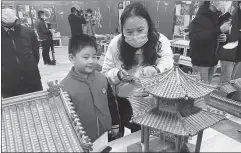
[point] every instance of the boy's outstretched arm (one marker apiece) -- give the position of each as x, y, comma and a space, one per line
113, 107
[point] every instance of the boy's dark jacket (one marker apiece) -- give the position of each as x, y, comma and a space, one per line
42, 29
92, 99
20, 62
204, 30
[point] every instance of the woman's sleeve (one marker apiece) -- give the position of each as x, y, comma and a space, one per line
109, 65
235, 30
165, 60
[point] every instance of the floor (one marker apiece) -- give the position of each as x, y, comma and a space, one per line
59, 71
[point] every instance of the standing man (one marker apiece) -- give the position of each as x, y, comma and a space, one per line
75, 22
204, 31
45, 35
20, 57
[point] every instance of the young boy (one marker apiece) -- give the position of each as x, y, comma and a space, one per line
89, 90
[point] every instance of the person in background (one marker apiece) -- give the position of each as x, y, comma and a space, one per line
89, 28
203, 33
75, 22
138, 51
20, 57
89, 90
44, 35
81, 14
229, 69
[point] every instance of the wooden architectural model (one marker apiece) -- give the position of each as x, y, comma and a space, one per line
170, 113
43, 121
221, 104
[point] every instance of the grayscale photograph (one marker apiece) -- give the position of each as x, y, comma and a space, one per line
120, 76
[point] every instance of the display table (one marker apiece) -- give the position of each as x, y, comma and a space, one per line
99, 37
213, 141
56, 40
181, 44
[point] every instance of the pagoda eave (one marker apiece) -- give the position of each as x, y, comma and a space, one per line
191, 122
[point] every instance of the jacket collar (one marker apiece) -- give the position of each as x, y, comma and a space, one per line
16, 29
73, 74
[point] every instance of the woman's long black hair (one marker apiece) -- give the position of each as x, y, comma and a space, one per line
127, 52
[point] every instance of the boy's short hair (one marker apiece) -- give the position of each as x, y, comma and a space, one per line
79, 42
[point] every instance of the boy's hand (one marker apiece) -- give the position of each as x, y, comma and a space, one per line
115, 130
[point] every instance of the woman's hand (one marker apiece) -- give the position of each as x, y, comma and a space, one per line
125, 76
222, 38
225, 27
149, 71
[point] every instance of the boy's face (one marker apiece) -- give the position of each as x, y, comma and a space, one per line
85, 60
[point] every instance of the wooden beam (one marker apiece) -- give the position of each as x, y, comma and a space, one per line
146, 139
142, 134
199, 141
178, 144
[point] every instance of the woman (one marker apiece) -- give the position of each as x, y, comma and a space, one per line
203, 34
230, 68
138, 50
89, 28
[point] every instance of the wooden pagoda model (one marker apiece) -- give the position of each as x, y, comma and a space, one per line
43, 121
169, 112
223, 105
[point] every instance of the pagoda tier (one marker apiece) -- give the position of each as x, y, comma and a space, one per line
42, 122
185, 123
175, 84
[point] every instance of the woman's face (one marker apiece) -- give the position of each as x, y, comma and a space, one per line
135, 26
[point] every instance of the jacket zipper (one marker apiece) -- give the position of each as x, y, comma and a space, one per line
14, 46
97, 119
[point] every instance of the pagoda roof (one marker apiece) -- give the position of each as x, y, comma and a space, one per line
219, 98
232, 86
221, 104
175, 84
236, 83
185, 123
41, 122
142, 105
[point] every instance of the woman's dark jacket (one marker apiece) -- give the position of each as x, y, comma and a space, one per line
204, 30
236, 33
